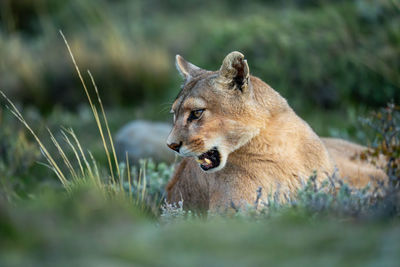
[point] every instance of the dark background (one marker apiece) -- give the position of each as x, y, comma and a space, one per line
328, 55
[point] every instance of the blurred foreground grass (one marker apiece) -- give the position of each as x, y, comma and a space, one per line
56, 229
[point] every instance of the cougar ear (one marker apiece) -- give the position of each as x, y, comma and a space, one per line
235, 71
186, 69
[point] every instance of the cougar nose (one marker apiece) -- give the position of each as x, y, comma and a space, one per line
175, 146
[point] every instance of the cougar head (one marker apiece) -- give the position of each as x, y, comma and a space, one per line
215, 112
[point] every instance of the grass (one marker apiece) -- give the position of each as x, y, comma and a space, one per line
84, 170
83, 228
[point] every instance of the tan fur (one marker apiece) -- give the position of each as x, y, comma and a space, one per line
263, 143
354, 171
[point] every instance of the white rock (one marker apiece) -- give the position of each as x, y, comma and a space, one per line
144, 139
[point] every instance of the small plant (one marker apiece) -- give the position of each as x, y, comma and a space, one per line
386, 125
146, 183
171, 212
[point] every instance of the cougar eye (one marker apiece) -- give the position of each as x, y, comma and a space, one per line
195, 114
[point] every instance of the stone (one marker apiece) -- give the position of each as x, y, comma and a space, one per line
144, 139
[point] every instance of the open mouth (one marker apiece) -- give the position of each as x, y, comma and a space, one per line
209, 160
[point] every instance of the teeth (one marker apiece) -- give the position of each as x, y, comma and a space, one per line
204, 161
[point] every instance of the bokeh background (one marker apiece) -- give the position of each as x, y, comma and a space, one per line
334, 61
319, 54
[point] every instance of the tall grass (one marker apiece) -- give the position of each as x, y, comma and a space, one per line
82, 167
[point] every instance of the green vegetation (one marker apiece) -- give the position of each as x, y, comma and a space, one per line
67, 202
84, 230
